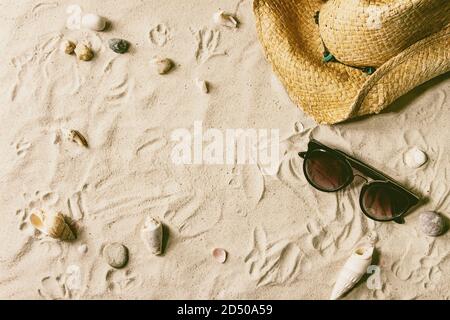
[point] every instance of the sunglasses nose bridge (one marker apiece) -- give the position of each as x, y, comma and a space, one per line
362, 177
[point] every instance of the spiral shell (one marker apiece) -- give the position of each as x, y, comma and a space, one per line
53, 225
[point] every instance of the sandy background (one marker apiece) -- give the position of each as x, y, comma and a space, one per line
285, 239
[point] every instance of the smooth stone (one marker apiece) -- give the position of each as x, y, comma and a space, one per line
432, 224
116, 255
119, 45
415, 158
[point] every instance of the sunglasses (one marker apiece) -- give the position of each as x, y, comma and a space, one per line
330, 170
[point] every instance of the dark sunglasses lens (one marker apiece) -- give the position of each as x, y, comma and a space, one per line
383, 202
326, 171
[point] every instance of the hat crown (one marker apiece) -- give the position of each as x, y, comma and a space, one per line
370, 32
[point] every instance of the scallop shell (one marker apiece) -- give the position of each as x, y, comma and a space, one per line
353, 270
202, 85
432, 224
93, 21
225, 19
161, 65
68, 47
75, 136
152, 235
53, 225
415, 158
84, 53
220, 255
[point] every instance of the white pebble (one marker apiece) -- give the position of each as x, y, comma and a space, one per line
82, 249
93, 22
415, 158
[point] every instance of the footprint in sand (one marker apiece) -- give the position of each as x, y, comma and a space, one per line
159, 35
119, 280
275, 262
35, 201
207, 43
66, 285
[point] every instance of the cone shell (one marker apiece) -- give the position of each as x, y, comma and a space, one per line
53, 225
353, 270
152, 235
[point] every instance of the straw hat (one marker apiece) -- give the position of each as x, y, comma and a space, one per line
345, 58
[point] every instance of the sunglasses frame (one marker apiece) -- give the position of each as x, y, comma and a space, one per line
376, 176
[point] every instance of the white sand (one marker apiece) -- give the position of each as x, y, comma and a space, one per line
285, 239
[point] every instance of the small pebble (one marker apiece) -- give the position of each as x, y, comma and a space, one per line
93, 21
84, 53
415, 158
202, 85
432, 224
82, 249
116, 255
119, 45
68, 47
161, 65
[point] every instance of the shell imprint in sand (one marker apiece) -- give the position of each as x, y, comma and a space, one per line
432, 224
53, 225
152, 235
161, 65
202, 85
119, 45
75, 136
415, 158
116, 255
84, 53
353, 270
220, 255
68, 47
225, 19
93, 22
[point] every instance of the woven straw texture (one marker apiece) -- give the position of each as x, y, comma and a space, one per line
406, 56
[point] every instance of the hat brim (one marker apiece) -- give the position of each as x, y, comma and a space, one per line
333, 92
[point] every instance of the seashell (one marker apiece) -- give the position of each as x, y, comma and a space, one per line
353, 270
116, 255
415, 158
152, 235
118, 45
68, 47
75, 136
161, 65
220, 255
202, 85
53, 225
225, 19
83, 52
432, 223
93, 21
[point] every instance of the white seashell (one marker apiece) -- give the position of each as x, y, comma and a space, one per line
84, 52
161, 65
202, 85
53, 225
415, 158
68, 47
74, 136
225, 19
152, 235
220, 255
353, 270
93, 21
